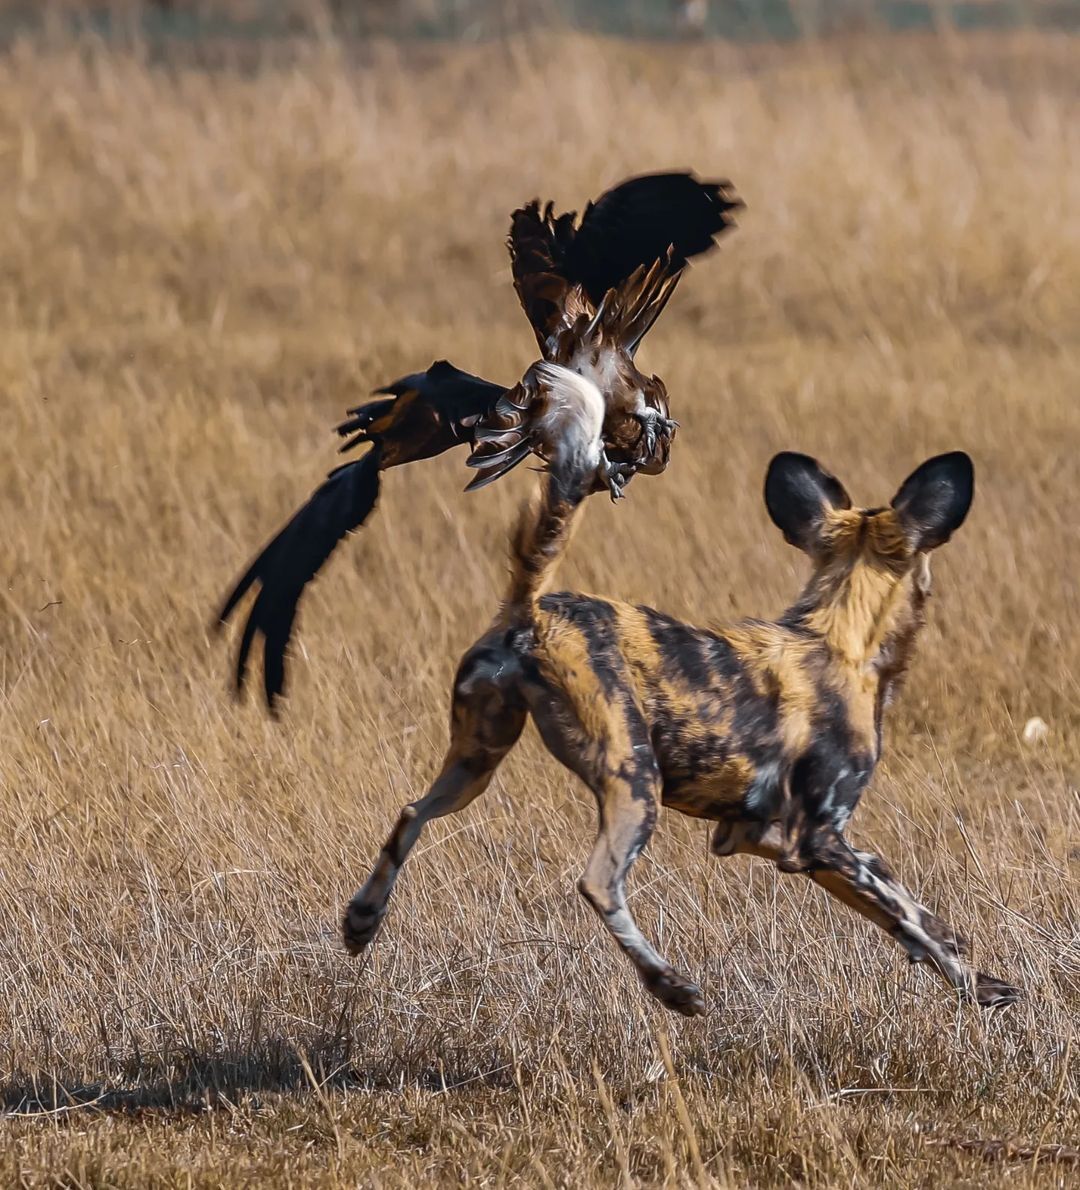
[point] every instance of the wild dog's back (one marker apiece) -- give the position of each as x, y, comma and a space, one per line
729, 711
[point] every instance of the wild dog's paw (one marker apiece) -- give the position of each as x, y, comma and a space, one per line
360, 924
995, 993
676, 992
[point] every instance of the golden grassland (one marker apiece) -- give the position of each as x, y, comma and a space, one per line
201, 271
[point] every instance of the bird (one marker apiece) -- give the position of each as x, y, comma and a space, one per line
591, 289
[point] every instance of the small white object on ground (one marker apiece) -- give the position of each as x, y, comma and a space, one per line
1035, 730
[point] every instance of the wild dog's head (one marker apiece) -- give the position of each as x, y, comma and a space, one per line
871, 565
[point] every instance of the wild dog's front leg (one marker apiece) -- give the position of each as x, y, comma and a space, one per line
862, 881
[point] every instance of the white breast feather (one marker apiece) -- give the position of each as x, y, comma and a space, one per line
571, 424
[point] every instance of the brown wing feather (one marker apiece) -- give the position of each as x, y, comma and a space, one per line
562, 271
505, 436
551, 301
630, 308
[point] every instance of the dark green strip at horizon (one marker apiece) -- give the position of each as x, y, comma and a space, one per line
737, 20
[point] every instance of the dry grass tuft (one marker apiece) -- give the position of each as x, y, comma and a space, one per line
201, 271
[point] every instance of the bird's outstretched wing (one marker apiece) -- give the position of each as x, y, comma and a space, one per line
419, 416
562, 270
293, 558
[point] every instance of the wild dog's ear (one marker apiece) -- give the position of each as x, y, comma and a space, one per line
799, 494
934, 499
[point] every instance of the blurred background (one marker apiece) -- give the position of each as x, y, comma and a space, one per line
223, 224
204, 20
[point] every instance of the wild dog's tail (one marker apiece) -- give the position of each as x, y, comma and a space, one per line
569, 430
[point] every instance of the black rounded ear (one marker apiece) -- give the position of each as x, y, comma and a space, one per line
934, 499
798, 494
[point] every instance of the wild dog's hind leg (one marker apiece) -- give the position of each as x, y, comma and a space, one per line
487, 720
862, 881
586, 711
628, 806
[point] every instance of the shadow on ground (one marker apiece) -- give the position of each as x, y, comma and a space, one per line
190, 1084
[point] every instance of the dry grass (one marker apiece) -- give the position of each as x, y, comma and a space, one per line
200, 272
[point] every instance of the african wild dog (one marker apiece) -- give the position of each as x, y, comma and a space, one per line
770, 729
